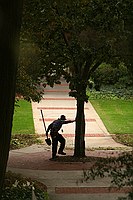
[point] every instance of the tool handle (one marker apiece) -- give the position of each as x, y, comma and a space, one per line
43, 120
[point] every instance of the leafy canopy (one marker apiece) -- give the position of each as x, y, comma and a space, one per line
75, 37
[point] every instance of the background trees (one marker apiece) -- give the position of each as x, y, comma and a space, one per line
28, 80
108, 75
75, 38
10, 21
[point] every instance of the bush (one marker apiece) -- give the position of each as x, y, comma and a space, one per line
109, 75
18, 187
111, 92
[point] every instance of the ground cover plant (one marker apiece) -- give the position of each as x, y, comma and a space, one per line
17, 187
111, 92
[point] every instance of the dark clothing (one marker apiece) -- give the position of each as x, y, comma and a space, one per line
54, 127
55, 140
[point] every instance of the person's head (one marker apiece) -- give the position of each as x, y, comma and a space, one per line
63, 117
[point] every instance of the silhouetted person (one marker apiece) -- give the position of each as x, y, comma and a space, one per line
54, 127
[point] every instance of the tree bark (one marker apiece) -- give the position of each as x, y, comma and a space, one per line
79, 150
10, 22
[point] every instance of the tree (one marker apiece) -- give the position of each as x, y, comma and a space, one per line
28, 83
129, 47
10, 21
75, 38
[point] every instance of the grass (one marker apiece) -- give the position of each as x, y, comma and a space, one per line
23, 119
116, 114
23, 133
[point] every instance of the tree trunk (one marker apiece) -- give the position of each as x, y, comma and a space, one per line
10, 21
79, 150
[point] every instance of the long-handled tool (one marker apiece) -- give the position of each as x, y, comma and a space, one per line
48, 141
43, 121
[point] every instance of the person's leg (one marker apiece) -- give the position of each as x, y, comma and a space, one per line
54, 146
62, 141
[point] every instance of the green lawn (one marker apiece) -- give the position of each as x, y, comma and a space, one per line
23, 119
117, 115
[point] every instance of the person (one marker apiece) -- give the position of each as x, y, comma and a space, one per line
54, 128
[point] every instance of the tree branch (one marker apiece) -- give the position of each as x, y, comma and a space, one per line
62, 32
98, 63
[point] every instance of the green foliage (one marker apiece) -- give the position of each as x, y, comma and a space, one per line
120, 170
72, 38
28, 83
112, 75
111, 92
18, 187
75, 37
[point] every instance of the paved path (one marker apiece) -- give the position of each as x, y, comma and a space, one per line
57, 101
65, 180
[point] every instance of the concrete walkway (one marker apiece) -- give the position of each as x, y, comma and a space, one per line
57, 101
66, 180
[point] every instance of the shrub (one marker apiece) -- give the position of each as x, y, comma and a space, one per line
18, 187
111, 92
109, 75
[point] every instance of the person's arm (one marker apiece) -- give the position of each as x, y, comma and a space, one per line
48, 129
68, 121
